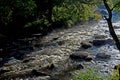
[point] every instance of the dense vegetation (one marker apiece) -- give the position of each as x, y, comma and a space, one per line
30, 16
92, 73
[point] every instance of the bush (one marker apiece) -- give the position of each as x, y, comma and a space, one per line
88, 74
93, 74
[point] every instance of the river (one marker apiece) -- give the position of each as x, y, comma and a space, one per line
56, 47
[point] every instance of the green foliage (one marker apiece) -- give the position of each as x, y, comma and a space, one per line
116, 3
88, 74
114, 76
14, 8
73, 12
25, 8
92, 73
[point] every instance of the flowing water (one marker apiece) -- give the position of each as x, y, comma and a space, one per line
56, 47
106, 65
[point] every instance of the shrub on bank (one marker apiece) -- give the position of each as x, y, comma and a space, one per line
93, 74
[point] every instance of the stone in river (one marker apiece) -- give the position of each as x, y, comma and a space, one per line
86, 44
99, 42
103, 56
80, 55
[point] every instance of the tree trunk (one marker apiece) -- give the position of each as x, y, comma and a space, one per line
109, 21
113, 34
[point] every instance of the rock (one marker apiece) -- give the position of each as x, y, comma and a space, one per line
38, 73
103, 56
99, 42
5, 69
61, 42
79, 66
40, 78
55, 38
79, 55
100, 37
89, 58
28, 59
86, 44
52, 66
11, 61
37, 35
110, 41
15, 74
22, 74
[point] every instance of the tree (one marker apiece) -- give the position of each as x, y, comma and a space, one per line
73, 11
109, 20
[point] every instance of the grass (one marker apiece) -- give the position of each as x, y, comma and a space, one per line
93, 74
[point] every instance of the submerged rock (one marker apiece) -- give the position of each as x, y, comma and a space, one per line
110, 41
82, 55
86, 44
99, 42
100, 36
103, 56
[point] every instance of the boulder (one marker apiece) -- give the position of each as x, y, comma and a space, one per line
103, 56
81, 55
86, 44
99, 42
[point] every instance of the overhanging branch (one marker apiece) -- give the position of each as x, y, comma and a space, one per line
115, 6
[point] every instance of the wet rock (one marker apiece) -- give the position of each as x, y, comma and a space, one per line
99, 42
22, 74
37, 35
55, 38
89, 58
116, 27
5, 69
51, 67
100, 37
103, 56
28, 59
11, 61
80, 66
61, 42
40, 78
15, 74
82, 55
86, 44
110, 41
38, 73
